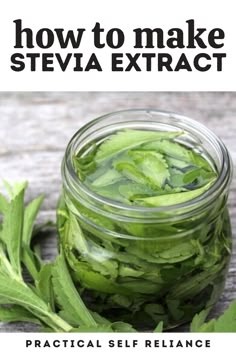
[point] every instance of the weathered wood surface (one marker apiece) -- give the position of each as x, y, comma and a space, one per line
36, 127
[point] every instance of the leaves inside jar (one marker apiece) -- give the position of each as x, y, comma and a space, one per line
146, 168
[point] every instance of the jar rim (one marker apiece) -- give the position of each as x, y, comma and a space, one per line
206, 198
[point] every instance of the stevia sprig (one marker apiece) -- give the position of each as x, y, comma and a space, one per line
50, 299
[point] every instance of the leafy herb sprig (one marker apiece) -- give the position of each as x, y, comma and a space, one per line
50, 298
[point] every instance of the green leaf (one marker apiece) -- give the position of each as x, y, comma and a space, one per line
25, 302
18, 293
156, 312
109, 177
131, 172
172, 199
195, 283
184, 179
227, 322
13, 226
153, 166
15, 188
140, 286
175, 163
96, 281
44, 285
191, 176
31, 262
179, 152
198, 320
159, 328
174, 308
3, 204
128, 139
30, 214
15, 314
207, 327
67, 295
132, 191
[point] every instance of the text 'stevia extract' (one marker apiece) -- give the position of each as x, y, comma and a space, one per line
149, 49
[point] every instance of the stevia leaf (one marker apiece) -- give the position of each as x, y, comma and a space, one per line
13, 226
176, 178
156, 258
153, 166
175, 311
180, 152
126, 271
170, 148
98, 257
31, 262
109, 177
121, 300
227, 322
111, 192
198, 320
140, 286
76, 237
18, 293
15, 314
15, 188
200, 161
172, 199
207, 327
85, 168
97, 219
85, 164
3, 204
69, 318
67, 295
30, 214
156, 312
183, 249
128, 139
206, 177
195, 283
131, 172
107, 267
101, 260
132, 191
159, 328
101, 321
175, 163
191, 176
96, 281
99, 233
44, 285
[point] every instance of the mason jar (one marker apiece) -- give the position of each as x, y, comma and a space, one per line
140, 264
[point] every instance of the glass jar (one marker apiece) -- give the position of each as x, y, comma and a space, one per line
143, 265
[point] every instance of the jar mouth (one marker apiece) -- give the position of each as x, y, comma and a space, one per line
148, 118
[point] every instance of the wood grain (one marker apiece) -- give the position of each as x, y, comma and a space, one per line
36, 127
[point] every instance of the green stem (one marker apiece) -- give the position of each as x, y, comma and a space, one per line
58, 324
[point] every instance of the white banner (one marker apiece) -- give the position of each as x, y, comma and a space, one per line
123, 46
108, 343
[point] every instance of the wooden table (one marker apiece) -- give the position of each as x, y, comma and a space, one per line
36, 127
